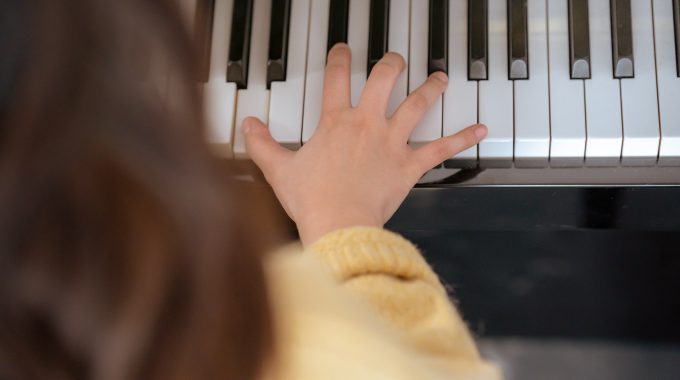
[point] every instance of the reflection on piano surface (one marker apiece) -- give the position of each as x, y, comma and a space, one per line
559, 83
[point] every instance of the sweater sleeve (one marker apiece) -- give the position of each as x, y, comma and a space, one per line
389, 273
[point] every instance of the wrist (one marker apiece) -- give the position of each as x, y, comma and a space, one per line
313, 227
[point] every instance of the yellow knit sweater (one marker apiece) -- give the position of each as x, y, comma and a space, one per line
362, 303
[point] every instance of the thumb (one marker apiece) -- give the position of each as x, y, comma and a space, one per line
261, 146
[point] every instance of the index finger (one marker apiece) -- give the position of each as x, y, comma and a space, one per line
336, 84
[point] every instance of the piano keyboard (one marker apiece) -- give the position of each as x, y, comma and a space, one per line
560, 83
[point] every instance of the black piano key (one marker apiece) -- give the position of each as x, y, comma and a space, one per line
378, 31
337, 22
579, 39
438, 37
518, 40
203, 26
278, 41
676, 18
478, 65
622, 39
239, 48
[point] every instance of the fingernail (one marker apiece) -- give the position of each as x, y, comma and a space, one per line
247, 126
340, 45
481, 131
441, 76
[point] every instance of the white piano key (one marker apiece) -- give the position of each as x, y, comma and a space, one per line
357, 39
460, 99
430, 127
567, 102
668, 82
285, 107
219, 96
638, 95
603, 99
316, 62
254, 100
532, 108
398, 42
495, 94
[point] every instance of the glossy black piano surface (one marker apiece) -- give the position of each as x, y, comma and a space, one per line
558, 282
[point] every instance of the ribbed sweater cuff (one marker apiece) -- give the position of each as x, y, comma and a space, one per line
355, 251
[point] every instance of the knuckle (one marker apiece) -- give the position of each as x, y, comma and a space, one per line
470, 138
418, 102
384, 69
336, 68
329, 119
466, 138
440, 152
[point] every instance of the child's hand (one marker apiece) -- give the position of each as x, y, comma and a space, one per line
357, 168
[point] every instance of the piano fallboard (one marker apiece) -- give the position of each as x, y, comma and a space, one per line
617, 176
442, 209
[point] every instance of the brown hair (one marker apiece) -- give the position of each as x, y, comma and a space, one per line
125, 252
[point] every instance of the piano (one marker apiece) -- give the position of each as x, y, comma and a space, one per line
566, 83
582, 102
576, 94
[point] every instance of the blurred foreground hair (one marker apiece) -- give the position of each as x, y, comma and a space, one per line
124, 251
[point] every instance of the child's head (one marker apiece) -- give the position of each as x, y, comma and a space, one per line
124, 253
